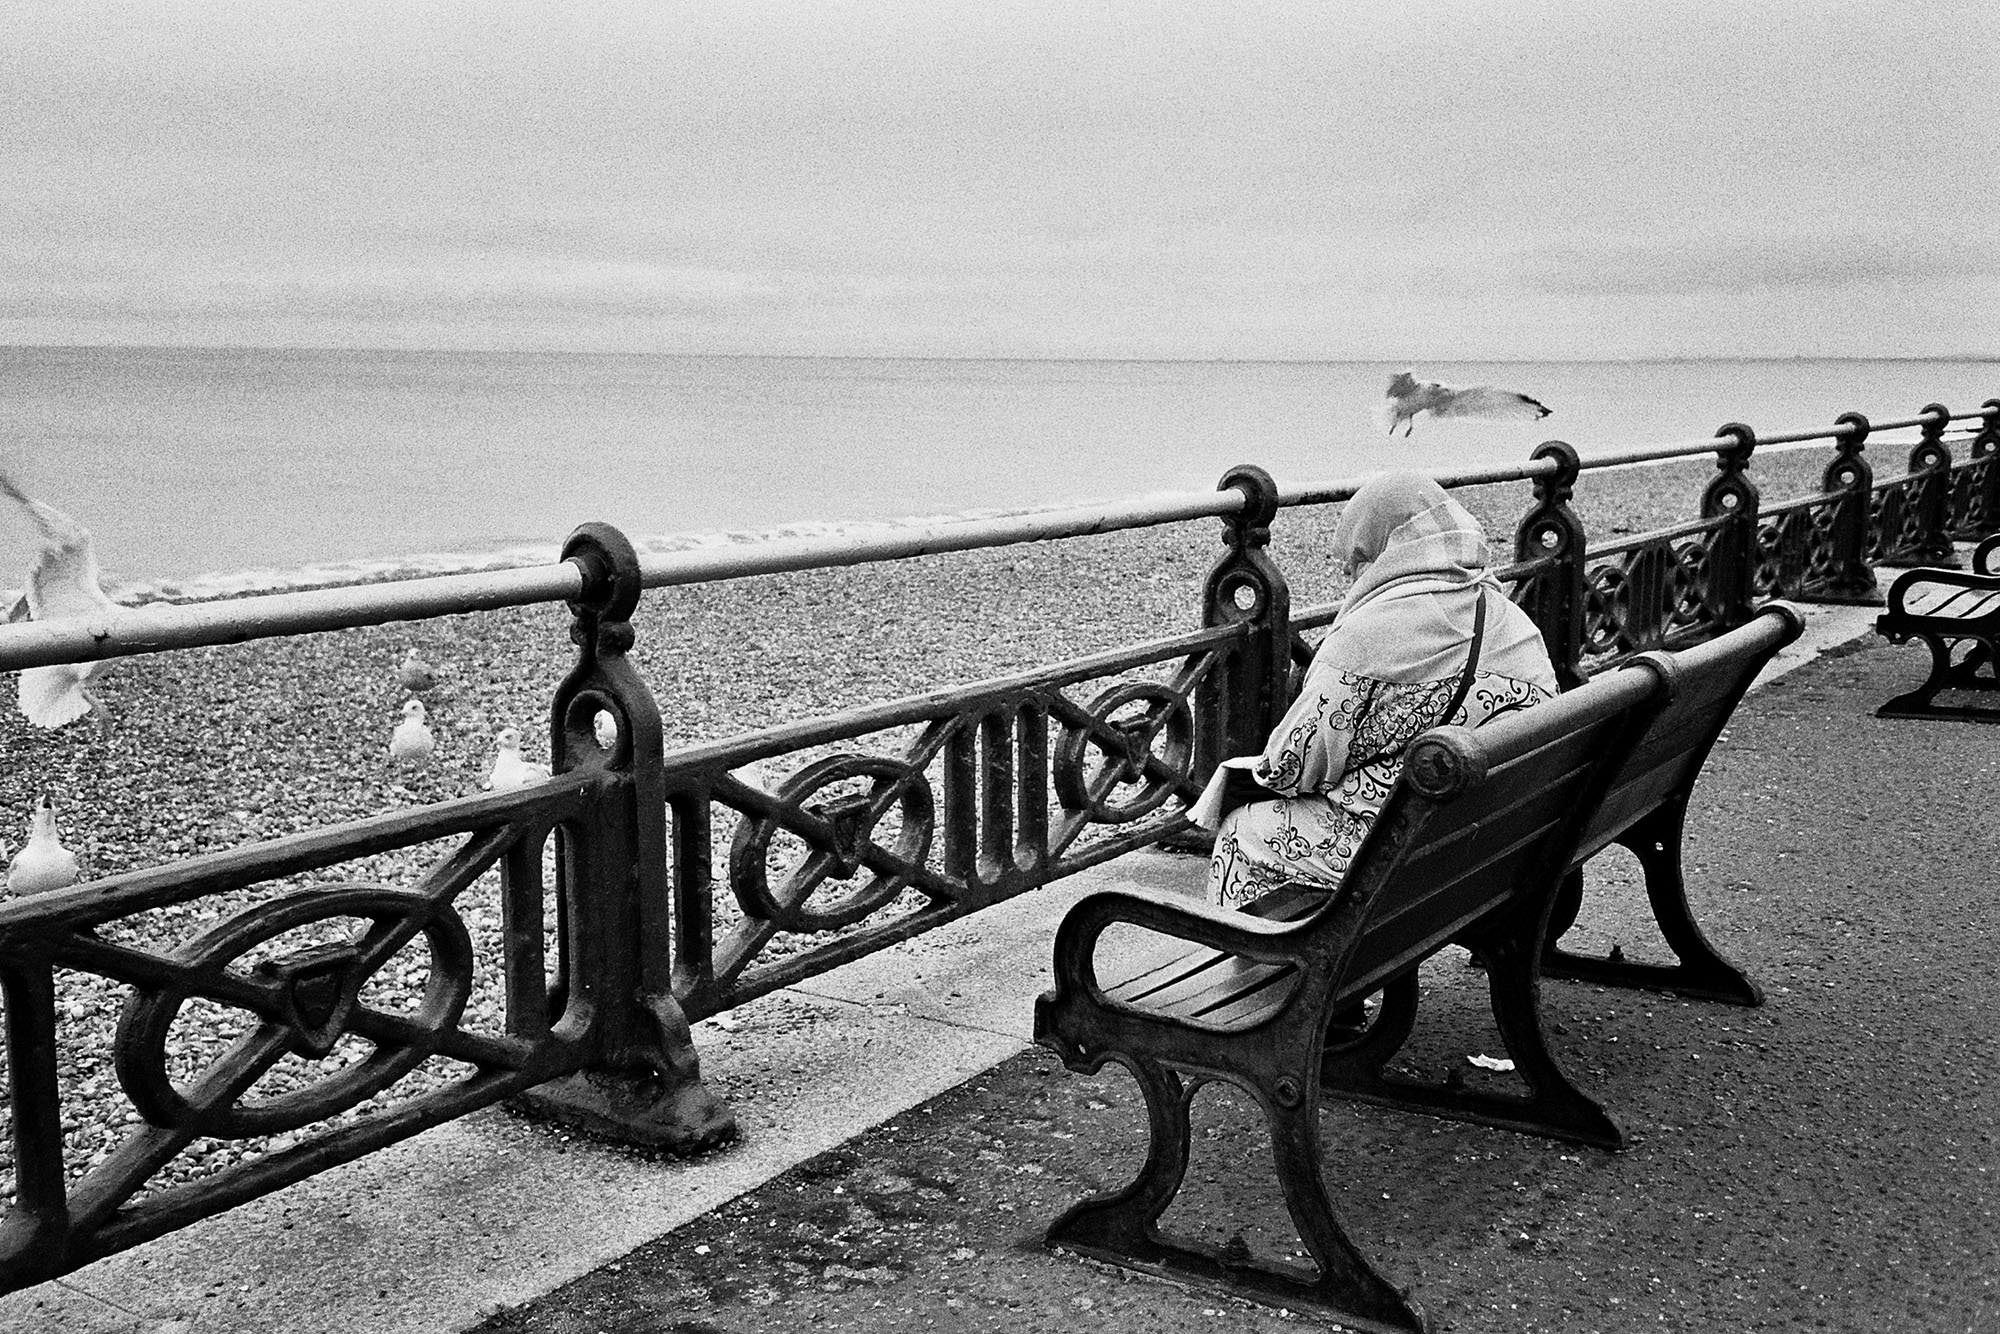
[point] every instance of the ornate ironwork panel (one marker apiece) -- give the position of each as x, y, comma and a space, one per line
902, 816
263, 1040
1652, 592
1795, 547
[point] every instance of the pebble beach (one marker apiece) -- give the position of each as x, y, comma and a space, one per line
215, 748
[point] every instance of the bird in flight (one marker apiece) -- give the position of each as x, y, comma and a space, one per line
63, 583
1408, 396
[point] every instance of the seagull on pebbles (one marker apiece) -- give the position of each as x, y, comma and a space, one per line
509, 769
415, 675
1408, 396
412, 743
63, 584
43, 863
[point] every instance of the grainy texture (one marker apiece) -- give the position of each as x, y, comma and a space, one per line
210, 749
1822, 1163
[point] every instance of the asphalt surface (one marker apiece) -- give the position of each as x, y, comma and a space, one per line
1825, 1162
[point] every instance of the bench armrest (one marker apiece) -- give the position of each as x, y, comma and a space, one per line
1223, 929
1986, 556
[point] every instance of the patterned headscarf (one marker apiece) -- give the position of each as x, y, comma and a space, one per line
1401, 526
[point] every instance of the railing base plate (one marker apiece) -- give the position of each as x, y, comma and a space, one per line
635, 1109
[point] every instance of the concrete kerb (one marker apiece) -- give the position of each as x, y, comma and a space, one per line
440, 1231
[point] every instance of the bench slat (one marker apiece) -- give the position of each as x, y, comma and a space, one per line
1948, 602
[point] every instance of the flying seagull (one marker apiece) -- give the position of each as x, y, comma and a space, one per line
1408, 396
62, 583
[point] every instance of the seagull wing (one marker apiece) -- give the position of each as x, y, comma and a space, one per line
1485, 401
64, 580
54, 696
62, 583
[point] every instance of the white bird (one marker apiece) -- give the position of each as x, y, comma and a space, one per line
509, 769
415, 675
1408, 396
605, 728
63, 583
412, 743
43, 863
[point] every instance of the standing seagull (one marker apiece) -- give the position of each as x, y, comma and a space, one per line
63, 583
411, 743
1408, 396
43, 863
509, 768
415, 675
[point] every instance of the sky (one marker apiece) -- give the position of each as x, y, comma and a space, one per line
1455, 180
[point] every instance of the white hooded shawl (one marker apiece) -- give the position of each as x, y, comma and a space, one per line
1386, 672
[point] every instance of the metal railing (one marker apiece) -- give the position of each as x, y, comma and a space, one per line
638, 890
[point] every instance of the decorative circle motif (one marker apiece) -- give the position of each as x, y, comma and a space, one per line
842, 799
1687, 584
1605, 598
1131, 727
310, 998
1240, 594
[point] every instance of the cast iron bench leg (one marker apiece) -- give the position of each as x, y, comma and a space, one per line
1123, 1227
1947, 675
1351, 1064
1967, 676
1702, 973
1124, 1223
1553, 1105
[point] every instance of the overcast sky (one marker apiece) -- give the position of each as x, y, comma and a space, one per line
1209, 179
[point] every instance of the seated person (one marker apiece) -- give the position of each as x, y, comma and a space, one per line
1400, 658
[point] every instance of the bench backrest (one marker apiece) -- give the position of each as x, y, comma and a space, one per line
1706, 682
1478, 819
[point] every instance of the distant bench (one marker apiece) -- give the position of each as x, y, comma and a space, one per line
1479, 845
1947, 609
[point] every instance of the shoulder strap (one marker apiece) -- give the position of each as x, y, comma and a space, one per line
1471, 660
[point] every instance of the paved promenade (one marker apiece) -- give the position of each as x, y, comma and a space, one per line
1824, 1162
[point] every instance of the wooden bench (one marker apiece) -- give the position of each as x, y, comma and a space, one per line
1480, 835
1645, 811
1948, 609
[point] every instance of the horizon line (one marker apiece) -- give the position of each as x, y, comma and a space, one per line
1009, 357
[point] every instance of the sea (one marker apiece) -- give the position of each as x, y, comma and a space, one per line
213, 470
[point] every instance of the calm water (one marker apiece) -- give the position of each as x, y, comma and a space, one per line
191, 461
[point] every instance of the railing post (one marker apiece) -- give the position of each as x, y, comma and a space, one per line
1554, 599
1846, 575
1982, 511
1930, 460
641, 1082
1247, 588
1733, 556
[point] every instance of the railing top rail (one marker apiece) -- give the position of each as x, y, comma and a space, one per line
710, 564
1343, 488
158, 627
